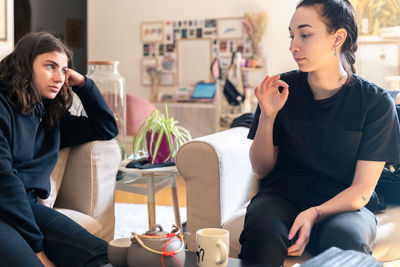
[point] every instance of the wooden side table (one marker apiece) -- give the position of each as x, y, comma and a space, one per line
155, 180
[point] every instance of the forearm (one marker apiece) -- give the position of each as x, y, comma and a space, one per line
350, 199
262, 150
356, 196
95, 105
99, 125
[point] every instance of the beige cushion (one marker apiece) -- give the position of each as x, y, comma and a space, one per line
86, 221
56, 178
386, 246
387, 241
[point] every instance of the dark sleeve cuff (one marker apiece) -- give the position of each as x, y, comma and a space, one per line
87, 84
36, 245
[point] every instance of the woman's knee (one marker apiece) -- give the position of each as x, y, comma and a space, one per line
264, 241
346, 232
14, 250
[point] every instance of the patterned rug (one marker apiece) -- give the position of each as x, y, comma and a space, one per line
133, 218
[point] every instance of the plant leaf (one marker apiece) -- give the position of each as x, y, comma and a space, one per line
157, 146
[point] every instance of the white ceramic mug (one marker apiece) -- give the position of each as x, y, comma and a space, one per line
212, 247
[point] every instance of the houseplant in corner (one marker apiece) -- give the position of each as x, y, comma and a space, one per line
160, 136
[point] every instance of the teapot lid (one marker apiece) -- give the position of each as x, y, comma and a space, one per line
161, 233
153, 230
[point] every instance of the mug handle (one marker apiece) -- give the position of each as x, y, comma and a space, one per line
222, 248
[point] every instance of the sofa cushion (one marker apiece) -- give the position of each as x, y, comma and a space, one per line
385, 247
56, 178
86, 221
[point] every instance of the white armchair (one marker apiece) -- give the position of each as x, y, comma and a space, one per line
219, 183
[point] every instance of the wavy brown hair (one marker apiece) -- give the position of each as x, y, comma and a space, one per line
16, 70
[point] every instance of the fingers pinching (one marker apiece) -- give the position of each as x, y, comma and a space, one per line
272, 80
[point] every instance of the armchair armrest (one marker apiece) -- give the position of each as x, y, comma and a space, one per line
218, 176
89, 182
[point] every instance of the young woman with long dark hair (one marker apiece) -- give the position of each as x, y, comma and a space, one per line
36, 87
321, 135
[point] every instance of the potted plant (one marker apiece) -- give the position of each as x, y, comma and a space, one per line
160, 136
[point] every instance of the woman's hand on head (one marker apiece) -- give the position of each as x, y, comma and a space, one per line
302, 227
45, 261
73, 78
270, 99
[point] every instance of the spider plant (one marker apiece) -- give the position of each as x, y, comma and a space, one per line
158, 125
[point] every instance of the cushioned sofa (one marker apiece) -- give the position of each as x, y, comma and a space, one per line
83, 183
220, 182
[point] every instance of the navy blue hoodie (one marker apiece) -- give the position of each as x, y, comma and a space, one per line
29, 150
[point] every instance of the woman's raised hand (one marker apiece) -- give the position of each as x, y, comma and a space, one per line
269, 97
73, 78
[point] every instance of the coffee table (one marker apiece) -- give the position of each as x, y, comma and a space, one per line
191, 260
155, 180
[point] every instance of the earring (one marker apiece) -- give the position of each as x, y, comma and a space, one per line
335, 52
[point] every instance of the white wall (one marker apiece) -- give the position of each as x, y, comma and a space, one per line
6, 47
114, 34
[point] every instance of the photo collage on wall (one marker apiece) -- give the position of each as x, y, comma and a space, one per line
159, 43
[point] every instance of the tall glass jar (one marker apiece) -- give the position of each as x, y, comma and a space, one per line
111, 84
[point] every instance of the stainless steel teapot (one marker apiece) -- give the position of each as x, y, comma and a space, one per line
153, 249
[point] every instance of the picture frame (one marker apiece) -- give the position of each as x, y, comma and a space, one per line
373, 21
3, 20
74, 32
230, 28
152, 31
167, 79
146, 62
168, 62
223, 47
189, 51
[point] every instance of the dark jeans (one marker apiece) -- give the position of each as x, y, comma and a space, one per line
269, 218
65, 242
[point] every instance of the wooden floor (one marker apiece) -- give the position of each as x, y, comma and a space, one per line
162, 198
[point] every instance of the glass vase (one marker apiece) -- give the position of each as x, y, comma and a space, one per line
111, 84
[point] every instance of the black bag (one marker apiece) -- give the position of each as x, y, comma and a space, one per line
232, 95
388, 187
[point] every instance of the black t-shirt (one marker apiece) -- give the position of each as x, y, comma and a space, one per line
320, 141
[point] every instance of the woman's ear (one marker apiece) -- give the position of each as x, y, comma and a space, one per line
341, 35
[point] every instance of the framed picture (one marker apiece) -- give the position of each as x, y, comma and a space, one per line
168, 62
193, 61
3, 20
223, 47
167, 79
152, 31
372, 16
210, 23
230, 28
75, 32
146, 63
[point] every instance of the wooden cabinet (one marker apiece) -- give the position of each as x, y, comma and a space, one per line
378, 59
199, 118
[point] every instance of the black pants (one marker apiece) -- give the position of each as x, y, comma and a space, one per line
269, 218
65, 243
